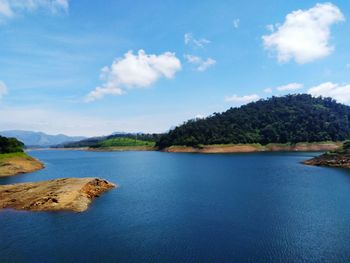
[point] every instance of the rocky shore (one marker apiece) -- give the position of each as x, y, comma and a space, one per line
72, 194
332, 159
19, 163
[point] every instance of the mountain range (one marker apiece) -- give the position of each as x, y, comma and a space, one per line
39, 139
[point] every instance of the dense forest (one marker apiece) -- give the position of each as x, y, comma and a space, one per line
288, 119
10, 145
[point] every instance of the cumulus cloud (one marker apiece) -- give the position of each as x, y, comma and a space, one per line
200, 63
304, 36
3, 89
290, 87
5, 9
339, 92
236, 23
189, 39
11, 8
134, 71
287, 87
240, 100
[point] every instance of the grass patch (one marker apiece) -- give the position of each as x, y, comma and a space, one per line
124, 142
12, 155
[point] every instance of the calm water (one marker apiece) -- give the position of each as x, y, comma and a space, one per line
187, 208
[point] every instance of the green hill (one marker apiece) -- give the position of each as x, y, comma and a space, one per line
115, 140
10, 145
288, 119
123, 142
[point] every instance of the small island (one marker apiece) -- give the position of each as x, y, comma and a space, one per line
71, 194
337, 158
13, 160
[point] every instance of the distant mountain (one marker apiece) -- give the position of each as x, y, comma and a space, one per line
288, 119
40, 139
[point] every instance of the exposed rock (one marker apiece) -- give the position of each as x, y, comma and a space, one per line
19, 165
331, 159
73, 194
246, 148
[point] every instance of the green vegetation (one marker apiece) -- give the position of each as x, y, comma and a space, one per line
123, 142
346, 146
289, 119
97, 142
10, 145
345, 149
11, 155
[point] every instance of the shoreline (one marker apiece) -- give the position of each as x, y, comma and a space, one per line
212, 149
66, 194
333, 159
18, 163
123, 149
250, 148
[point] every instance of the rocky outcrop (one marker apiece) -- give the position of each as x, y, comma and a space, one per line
74, 194
332, 159
19, 165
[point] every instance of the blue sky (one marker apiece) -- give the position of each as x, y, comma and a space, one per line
65, 66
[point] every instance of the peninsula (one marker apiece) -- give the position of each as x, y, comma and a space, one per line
72, 194
13, 160
337, 158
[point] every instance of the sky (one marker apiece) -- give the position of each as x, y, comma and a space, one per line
95, 67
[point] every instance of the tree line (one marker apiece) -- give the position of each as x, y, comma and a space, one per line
287, 119
10, 145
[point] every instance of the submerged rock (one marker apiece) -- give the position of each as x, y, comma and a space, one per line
74, 194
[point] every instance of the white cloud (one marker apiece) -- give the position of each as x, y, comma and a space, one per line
11, 8
200, 63
339, 92
3, 89
287, 87
190, 39
290, 87
304, 36
5, 9
135, 71
240, 100
236, 23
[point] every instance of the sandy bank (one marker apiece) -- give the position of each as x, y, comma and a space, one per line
74, 194
18, 164
246, 148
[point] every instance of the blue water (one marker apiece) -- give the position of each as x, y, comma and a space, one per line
265, 207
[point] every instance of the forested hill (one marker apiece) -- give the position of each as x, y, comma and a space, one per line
292, 118
10, 145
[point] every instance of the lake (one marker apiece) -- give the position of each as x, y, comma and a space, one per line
257, 207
